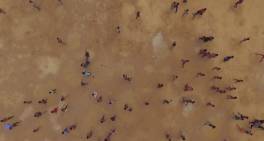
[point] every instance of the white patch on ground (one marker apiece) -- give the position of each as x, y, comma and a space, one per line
161, 49
48, 65
187, 109
27, 112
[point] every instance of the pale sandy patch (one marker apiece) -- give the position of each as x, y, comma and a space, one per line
161, 49
13, 99
74, 41
149, 68
48, 65
187, 109
26, 113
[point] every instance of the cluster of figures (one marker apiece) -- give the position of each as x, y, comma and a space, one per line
256, 123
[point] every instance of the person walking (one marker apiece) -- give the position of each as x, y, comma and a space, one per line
94, 94
55, 110
65, 131
87, 54
187, 100
176, 6
210, 124
2, 11
228, 58
64, 97
184, 62
111, 101
27, 102
112, 132
34, 5
231, 88
73, 126
6, 119
240, 129
165, 101
174, 77
206, 39
137, 14
202, 51
237, 80
195, 14
200, 74
221, 91
38, 114
245, 39
217, 77
130, 109
173, 44
185, 12
86, 73
260, 55
202, 11
89, 135
236, 117
213, 55
210, 104
125, 77
113, 118
239, 2
100, 99
181, 136
126, 106
187, 88
146, 103
118, 29
64, 109
243, 116
168, 137
160, 85
206, 54
248, 132
60, 2
85, 64
231, 97
60, 41
215, 88
44, 101
216, 68
37, 129
14, 125
173, 5
102, 119
52, 91
83, 84
108, 137
129, 79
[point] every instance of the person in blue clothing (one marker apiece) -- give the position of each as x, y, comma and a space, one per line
65, 131
228, 58
85, 64
34, 5
86, 73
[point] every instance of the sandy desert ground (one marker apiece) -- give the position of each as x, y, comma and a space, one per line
33, 62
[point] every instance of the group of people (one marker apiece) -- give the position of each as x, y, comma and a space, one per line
256, 123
